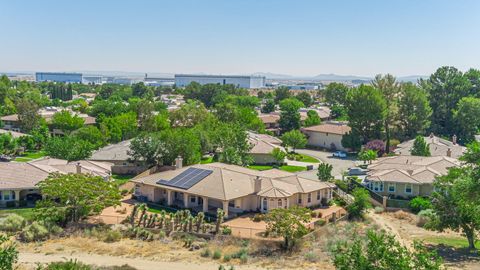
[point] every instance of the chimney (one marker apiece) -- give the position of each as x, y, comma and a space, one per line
78, 168
449, 152
178, 163
454, 139
257, 184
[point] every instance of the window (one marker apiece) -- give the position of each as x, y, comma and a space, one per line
309, 198
299, 199
408, 188
193, 199
318, 195
137, 189
13, 195
6, 196
391, 187
377, 186
280, 203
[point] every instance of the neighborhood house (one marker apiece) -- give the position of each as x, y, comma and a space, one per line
437, 146
262, 147
327, 136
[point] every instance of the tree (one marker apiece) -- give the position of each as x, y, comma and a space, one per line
149, 119
413, 111
366, 109
232, 139
325, 172
467, 119
189, 114
336, 93
289, 223
389, 88
79, 195
269, 106
360, 204
376, 145
90, 134
282, 93
28, 114
69, 148
243, 116
312, 119
352, 141
381, 251
289, 115
8, 253
420, 147
67, 122
445, 88
338, 112
8, 144
367, 155
120, 127
294, 139
305, 98
139, 89
278, 154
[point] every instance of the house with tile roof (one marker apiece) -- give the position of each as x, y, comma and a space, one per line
262, 147
118, 155
438, 147
407, 176
235, 189
326, 135
18, 179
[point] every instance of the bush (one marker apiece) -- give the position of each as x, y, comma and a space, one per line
311, 257
34, 232
227, 258
418, 204
379, 210
226, 230
111, 236
258, 217
424, 216
243, 258
68, 265
320, 222
124, 192
217, 254
341, 185
206, 253
12, 223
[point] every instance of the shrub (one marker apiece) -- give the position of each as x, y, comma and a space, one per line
111, 236
227, 258
12, 223
243, 258
124, 192
341, 185
313, 214
206, 253
217, 254
258, 217
311, 257
379, 210
424, 216
418, 204
320, 222
226, 230
34, 232
401, 215
70, 265
376, 145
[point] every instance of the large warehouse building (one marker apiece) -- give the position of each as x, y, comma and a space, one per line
182, 80
58, 77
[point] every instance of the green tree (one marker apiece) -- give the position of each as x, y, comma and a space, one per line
189, 114
8, 144
336, 94
232, 139
90, 134
139, 89
381, 251
366, 110
8, 253
294, 139
367, 155
467, 119
289, 115
66, 122
389, 88
69, 148
244, 116
282, 93
352, 141
269, 106
305, 98
289, 223
278, 154
312, 119
413, 111
78, 195
360, 204
120, 127
420, 147
325, 172
28, 114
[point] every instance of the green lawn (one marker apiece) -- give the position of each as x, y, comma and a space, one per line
157, 209
287, 168
207, 160
27, 213
29, 156
305, 158
455, 242
121, 179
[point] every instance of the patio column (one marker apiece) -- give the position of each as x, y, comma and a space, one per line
225, 208
205, 204
17, 195
169, 197
185, 200
287, 202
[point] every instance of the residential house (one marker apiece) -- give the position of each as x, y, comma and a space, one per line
235, 189
18, 179
326, 135
262, 147
438, 147
13, 133
407, 176
118, 155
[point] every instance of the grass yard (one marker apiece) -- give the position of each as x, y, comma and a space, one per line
305, 158
121, 179
27, 213
29, 156
287, 168
455, 242
206, 160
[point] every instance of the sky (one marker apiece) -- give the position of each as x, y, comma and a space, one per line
296, 37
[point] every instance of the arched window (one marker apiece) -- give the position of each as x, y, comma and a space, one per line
280, 203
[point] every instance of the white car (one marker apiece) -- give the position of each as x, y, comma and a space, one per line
340, 154
357, 171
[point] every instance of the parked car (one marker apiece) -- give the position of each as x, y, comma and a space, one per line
340, 154
357, 171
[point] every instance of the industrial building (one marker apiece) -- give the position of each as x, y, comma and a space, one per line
182, 80
58, 77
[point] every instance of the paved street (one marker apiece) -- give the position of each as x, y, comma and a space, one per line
339, 165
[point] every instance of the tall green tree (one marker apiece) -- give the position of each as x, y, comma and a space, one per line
366, 110
305, 98
232, 140
324, 172
360, 204
269, 106
189, 114
294, 139
289, 223
389, 88
352, 141
420, 147
289, 114
69, 148
28, 114
312, 119
66, 121
467, 119
336, 94
413, 111
282, 93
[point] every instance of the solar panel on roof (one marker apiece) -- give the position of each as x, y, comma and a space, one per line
187, 178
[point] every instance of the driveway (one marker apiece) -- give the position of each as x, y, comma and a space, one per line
339, 165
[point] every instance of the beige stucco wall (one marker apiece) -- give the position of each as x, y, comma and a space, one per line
417, 190
324, 140
263, 159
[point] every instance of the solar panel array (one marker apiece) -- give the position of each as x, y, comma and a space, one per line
187, 178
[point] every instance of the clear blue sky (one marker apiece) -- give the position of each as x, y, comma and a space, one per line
297, 37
